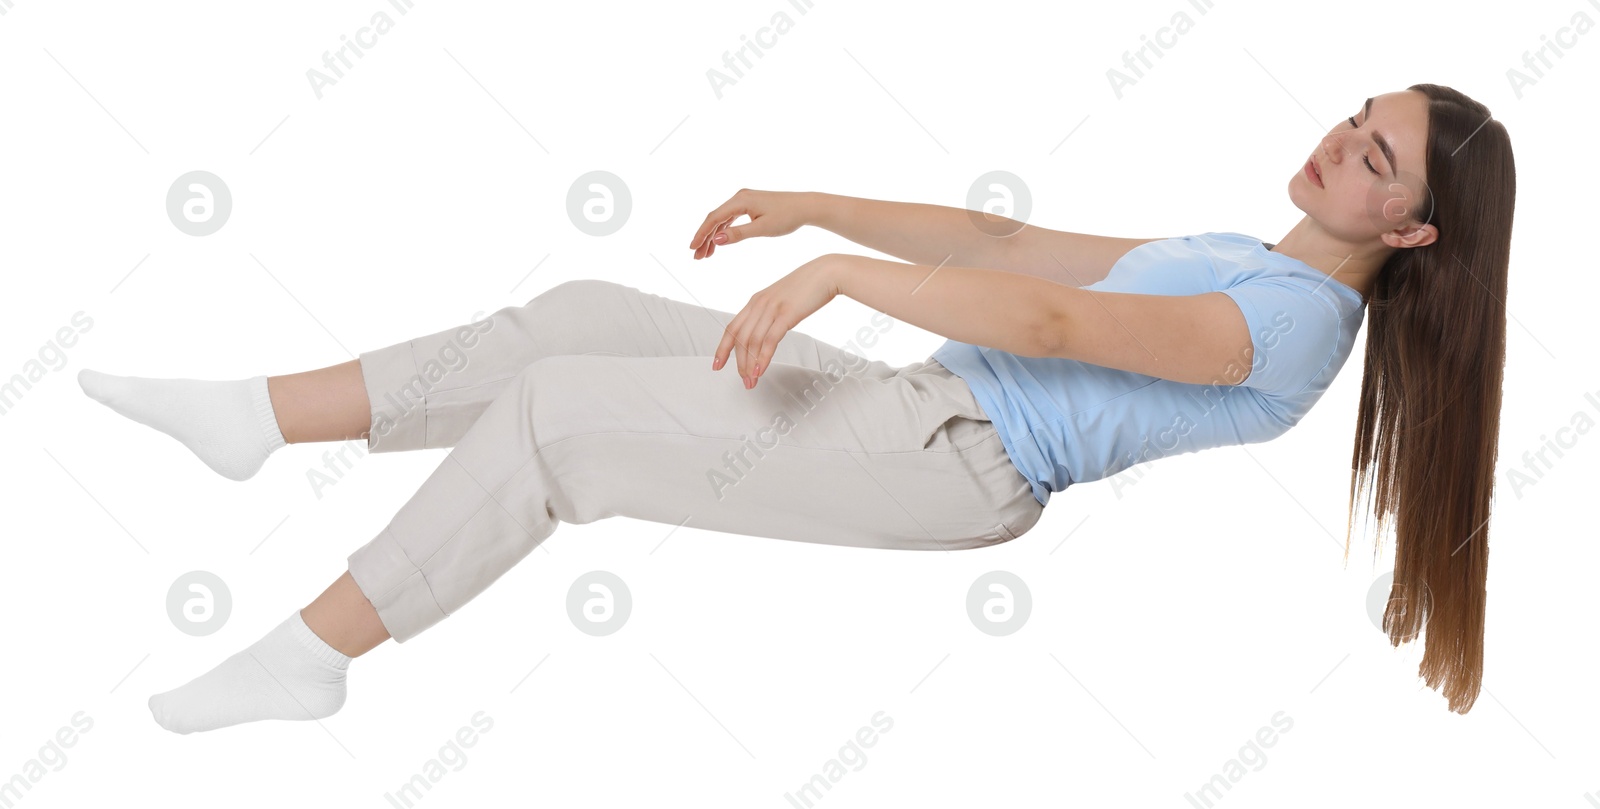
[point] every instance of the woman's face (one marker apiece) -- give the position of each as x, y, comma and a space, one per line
1372, 169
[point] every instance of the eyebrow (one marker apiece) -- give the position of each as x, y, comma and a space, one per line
1383, 143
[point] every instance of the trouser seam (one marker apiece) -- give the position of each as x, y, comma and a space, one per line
417, 571
422, 406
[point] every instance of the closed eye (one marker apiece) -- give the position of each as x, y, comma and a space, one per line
1352, 120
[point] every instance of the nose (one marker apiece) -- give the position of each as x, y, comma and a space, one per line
1333, 146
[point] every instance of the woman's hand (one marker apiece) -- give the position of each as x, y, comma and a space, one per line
772, 213
771, 313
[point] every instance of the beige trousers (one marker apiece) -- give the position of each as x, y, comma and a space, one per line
597, 400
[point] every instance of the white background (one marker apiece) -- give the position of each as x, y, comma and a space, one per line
1171, 618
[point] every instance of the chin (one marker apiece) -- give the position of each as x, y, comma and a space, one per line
1294, 194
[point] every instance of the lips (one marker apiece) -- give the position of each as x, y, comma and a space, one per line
1313, 172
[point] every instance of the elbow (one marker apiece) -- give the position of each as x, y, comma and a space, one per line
1047, 337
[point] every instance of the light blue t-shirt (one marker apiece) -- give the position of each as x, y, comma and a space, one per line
1063, 421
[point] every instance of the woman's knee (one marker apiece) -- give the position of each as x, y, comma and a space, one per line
578, 292
582, 316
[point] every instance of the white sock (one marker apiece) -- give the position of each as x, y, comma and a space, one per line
230, 424
288, 674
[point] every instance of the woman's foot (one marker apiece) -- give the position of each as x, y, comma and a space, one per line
230, 425
288, 674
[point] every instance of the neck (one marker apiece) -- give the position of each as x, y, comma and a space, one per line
1354, 264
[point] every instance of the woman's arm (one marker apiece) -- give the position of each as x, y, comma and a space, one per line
1002, 310
910, 231
933, 234
1074, 259
1200, 339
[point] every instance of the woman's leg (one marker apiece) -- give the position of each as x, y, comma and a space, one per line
345, 619
475, 364
433, 390
328, 404
905, 461
428, 391
233, 425
588, 317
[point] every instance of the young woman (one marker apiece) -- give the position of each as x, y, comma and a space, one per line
1070, 357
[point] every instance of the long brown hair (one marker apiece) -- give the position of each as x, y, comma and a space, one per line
1428, 429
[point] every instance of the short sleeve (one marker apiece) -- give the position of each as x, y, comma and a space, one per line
1293, 331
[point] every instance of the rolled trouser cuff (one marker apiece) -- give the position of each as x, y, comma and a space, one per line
397, 589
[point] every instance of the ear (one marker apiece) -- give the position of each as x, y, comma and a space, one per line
1411, 236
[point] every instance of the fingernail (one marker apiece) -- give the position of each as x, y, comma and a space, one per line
720, 238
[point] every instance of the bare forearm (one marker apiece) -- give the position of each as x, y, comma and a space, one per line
911, 231
992, 308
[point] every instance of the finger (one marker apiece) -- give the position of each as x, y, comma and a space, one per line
746, 336
724, 232
734, 235
770, 339
734, 342
709, 245
705, 226
720, 358
759, 334
741, 351
703, 245
726, 212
